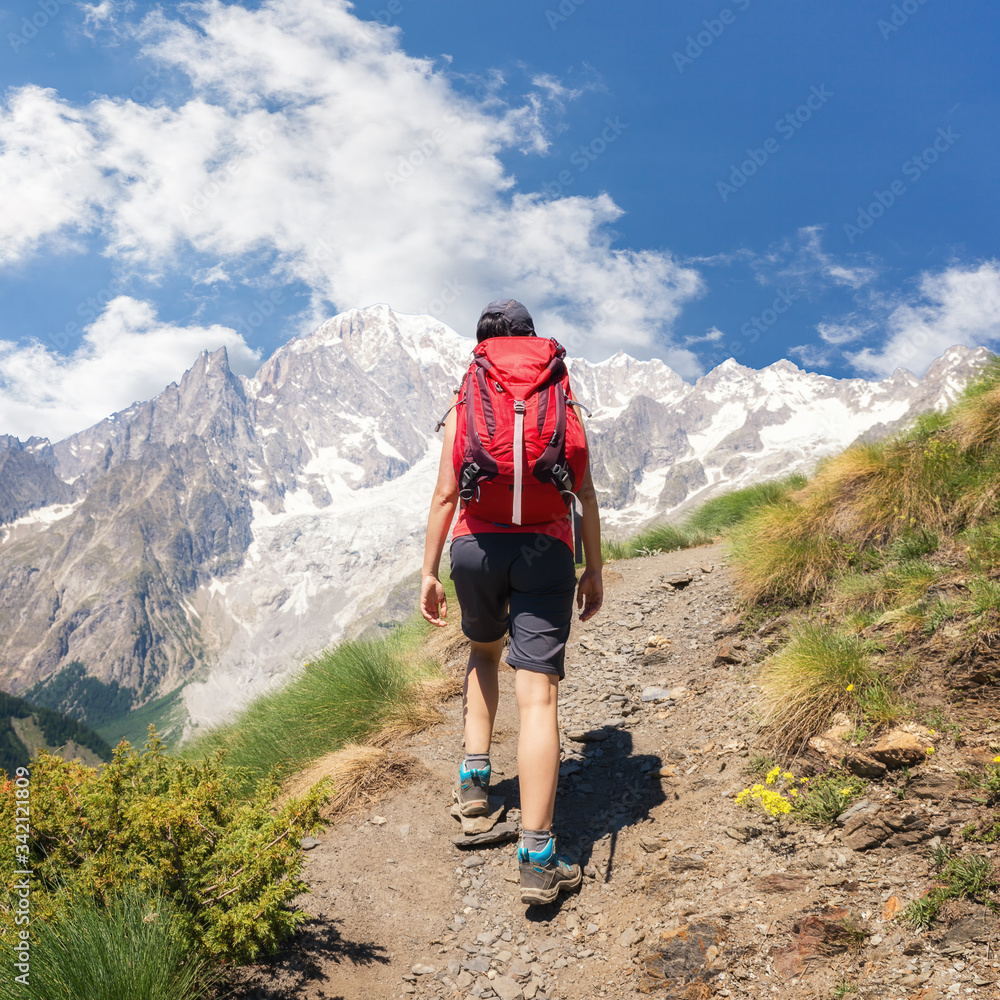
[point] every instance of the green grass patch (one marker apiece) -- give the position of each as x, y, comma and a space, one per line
703, 525
824, 797
718, 515
966, 876
985, 596
340, 696
166, 714
818, 673
129, 949
652, 541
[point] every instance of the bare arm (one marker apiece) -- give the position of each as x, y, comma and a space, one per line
590, 590
433, 605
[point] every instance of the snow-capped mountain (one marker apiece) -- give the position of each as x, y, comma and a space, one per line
213, 537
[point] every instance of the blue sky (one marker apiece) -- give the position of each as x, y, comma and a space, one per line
691, 181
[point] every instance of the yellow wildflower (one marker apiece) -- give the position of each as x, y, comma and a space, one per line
996, 760
772, 775
850, 687
805, 781
845, 791
788, 776
930, 749
794, 793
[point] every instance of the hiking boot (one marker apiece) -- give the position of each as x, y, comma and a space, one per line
544, 874
473, 790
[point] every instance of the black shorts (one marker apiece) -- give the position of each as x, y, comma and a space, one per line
520, 582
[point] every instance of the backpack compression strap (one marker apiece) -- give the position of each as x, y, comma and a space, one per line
483, 464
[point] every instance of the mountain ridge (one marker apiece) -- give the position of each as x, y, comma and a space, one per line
214, 536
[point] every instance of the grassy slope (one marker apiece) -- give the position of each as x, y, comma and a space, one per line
892, 553
701, 526
343, 695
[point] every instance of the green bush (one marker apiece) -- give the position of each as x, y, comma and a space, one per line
131, 949
179, 828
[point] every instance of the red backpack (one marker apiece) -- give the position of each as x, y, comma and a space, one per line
520, 451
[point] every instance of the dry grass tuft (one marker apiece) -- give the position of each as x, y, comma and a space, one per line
357, 773
975, 421
419, 712
819, 673
777, 555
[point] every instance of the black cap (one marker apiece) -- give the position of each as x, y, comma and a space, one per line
518, 318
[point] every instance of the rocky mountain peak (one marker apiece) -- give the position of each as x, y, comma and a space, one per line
252, 520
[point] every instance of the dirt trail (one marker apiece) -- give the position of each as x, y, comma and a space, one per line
683, 886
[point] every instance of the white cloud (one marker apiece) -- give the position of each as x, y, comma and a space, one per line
846, 331
312, 140
125, 355
802, 261
712, 335
957, 306
54, 187
811, 356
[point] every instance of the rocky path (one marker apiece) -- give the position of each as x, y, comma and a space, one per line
686, 894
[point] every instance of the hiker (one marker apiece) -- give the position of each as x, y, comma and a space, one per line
512, 563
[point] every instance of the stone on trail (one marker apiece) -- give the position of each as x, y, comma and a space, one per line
588, 735
686, 961
899, 749
506, 988
654, 694
423, 970
631, 937
781, 882
728, 653
817, 937
519, 969
862, 805
499, 834
472, 825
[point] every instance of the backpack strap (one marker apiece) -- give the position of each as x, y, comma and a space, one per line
483, 464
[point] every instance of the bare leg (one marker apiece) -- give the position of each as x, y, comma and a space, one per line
538, 747
482, 694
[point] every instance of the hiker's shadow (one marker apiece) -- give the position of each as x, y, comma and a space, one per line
615, 788
304, 960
